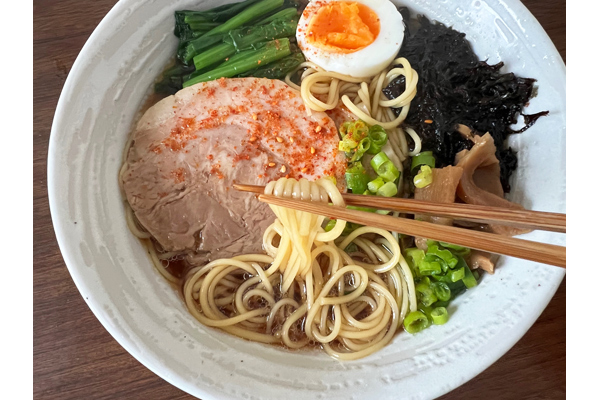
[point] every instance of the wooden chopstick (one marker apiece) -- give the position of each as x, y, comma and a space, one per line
525, 249
516, 218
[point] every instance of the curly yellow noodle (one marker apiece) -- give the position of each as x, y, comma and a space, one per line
322, 91
307, 289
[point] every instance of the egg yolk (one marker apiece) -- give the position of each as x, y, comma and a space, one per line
343, 27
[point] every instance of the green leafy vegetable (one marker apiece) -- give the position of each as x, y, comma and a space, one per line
249, 14
245, 61
286, 13
244, 39
278, 69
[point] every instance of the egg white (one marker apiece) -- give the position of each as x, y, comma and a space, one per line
365, 62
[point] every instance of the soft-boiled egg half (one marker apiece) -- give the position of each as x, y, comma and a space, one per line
357, 37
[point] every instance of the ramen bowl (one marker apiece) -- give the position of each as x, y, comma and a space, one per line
99, 105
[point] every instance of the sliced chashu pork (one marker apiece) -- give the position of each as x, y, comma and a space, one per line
190, 148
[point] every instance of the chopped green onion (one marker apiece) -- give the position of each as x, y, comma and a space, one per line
389, 189
378, 138
378, 135
355, 142
426, 294
429, 267
359, 208
344, 127
374, 149
445, 255
413, 256
458, 250
434, 258
425, 310
357, 178
439, 315
363, 147
415, 322
384, 167
424, 177
455, 287
457, 275
349, 228
330, 225
375, 184
441, 290
388, 172
425, 280
440, 303
423, 158
347, 144
423, 286
358, 130
379, 159
469, 279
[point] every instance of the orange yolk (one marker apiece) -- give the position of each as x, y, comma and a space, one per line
343, 27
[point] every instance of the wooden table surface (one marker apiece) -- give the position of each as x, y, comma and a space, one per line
75, 357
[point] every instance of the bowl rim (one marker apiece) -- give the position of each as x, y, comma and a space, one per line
75, 72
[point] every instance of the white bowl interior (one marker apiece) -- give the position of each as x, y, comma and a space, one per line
99, 104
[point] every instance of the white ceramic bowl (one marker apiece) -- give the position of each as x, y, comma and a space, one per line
97, 108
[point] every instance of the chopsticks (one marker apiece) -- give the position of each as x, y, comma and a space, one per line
528, 250
525, 249
516, 218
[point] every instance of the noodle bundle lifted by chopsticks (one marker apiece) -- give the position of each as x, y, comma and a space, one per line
348, 294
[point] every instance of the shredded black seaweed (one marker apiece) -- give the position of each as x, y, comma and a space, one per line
455, 87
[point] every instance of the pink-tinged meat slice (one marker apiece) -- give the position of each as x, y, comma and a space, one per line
190, 148
482, 156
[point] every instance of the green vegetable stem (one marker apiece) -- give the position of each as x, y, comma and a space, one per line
245, 61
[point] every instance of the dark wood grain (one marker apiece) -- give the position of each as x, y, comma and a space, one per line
74, 356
